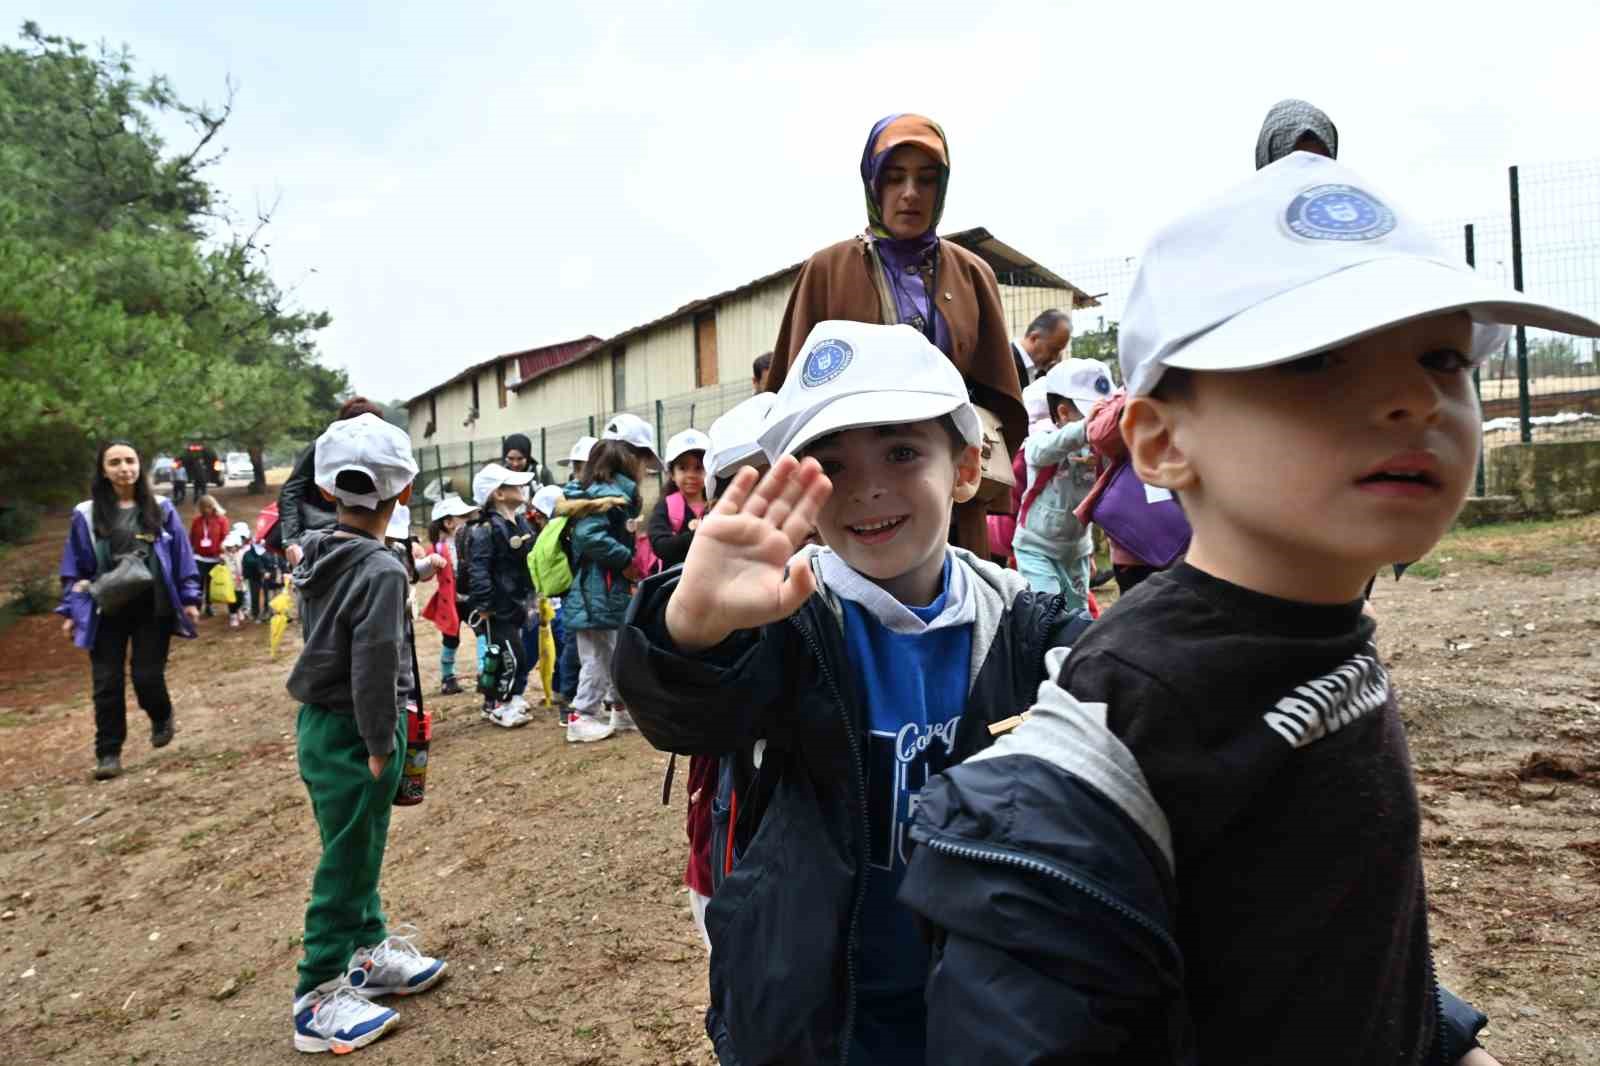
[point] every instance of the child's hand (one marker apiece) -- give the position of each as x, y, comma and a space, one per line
376, 763
66, 628
192, 613
737, 574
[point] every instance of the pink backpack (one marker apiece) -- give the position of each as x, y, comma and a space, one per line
645, 561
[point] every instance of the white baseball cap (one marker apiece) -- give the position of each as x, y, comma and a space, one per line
1304, 256
452, 506
1035, 402
242, 530
544, 501
492, 477
399, 523
735, 436
1087, 380
630, 429
368, 444
580, 451
689, 440
853, 374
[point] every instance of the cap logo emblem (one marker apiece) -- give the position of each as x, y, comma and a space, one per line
1338, 213
825, 362
1102, 385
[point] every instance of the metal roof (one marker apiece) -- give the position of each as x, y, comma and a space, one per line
1014, 268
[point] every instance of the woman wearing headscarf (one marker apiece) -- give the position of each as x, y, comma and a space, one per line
901, 271
1295, 126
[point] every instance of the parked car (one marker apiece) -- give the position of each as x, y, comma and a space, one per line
161, 469
240, 468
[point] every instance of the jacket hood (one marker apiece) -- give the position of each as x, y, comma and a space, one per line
620, 485
327, 557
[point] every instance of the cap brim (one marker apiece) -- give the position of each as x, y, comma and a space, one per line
517, 477
870, 409
728, 464
1339, 308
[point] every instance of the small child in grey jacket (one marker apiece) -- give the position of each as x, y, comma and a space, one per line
1053, 548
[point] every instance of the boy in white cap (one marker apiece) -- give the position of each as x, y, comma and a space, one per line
1221, 758
851, 673
499, 589
578, 456
1053, 549
351, 677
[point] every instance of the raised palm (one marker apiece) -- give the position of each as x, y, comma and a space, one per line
737, 574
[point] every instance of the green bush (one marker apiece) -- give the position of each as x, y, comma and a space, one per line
36, 595
18, 523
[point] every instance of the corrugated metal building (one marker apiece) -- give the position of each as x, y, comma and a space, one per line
683, 368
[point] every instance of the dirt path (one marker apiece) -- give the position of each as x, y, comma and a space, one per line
154, 919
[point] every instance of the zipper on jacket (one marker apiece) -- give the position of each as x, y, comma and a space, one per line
851, 942
1001, 857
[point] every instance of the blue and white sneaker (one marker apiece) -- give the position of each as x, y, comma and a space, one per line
394, 967
331, 1017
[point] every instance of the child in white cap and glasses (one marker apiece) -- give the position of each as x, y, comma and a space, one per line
1210, 820
351, 678
851, 673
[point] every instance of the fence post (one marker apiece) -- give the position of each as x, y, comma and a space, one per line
1523, 403
471, 462
591, 425
1477, 384
691, 414
660, 444
543, 460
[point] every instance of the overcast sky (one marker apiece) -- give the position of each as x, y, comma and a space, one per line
452, 184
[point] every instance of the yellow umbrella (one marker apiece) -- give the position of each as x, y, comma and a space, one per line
280, 605
547, 649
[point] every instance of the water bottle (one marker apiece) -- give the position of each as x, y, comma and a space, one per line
414, 775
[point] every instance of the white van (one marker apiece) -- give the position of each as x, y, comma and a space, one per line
239, 467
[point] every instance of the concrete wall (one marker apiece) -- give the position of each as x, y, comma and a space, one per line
1547, 477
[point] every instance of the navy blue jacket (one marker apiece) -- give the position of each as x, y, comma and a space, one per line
1045, 869
784, 924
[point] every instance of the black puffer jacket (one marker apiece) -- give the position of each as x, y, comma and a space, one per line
301, 506
1044, 867
499, 586
785, 922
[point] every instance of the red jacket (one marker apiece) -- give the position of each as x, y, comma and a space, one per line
441, 609
205, 536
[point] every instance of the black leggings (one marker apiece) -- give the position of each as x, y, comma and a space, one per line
151, 637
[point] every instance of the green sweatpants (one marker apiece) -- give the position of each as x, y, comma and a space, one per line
352, 812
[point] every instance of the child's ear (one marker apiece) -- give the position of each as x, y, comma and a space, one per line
969, 473
1150, 429
405, 496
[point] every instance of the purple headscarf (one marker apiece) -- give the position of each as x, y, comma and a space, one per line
907, 262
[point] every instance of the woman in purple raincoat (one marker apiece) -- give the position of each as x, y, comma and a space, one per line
122, 518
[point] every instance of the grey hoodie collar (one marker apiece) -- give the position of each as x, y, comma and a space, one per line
327, 556
989, 591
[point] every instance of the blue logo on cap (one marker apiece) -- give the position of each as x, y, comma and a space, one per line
825, 362
1102, 385
1338, 213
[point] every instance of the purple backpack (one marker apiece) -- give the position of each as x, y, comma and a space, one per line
1147, 522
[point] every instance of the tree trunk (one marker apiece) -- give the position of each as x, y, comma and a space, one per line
258, 483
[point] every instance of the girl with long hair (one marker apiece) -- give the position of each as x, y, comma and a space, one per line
123, 520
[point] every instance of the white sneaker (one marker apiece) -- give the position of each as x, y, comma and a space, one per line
332, 1017
621, 720
520, 704
394, 967
505, 716
582, 730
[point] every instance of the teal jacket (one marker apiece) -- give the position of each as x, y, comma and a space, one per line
602, 548
1050, 529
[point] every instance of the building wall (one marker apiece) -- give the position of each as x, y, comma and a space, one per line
747, 326
658, 364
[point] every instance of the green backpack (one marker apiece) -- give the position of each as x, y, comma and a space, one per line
550, 562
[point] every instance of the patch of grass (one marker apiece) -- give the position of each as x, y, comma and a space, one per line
129, 843
1428, 569
12, 719
584, 1032
1536, 569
